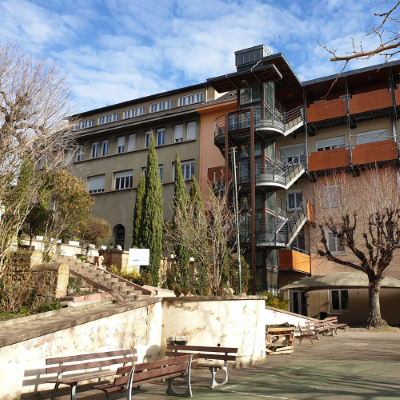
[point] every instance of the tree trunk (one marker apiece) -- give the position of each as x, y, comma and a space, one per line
375, 319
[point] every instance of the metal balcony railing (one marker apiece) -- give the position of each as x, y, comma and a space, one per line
264, 117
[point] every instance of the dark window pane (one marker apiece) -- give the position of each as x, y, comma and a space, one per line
335, 300
345, 299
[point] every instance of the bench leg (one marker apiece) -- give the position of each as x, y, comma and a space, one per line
214, 382
55, 391
73, 392
188, 393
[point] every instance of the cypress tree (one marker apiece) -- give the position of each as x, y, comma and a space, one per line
182, 255
152, 213
137, 213
201, 284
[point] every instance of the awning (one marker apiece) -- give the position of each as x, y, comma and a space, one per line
350, 280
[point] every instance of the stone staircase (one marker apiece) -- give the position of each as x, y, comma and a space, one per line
104, 281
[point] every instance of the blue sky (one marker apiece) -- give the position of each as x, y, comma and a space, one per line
117, 50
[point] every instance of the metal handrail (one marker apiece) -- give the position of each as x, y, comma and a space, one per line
219, 126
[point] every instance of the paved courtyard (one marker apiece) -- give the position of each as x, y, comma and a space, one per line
353, 365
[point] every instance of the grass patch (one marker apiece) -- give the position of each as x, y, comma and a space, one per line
26, 311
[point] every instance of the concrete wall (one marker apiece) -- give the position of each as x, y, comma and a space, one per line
22, 367
273, 316
229, 323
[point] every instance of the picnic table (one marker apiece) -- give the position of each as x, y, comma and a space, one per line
279, 340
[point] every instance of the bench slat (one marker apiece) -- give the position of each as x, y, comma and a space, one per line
204, 348
90, 356
205, 355
157, 378
184, 358
92, 364
79, 378
159, 372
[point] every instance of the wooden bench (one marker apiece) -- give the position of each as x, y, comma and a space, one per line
152, 371
333, 321
208, 353
305, 333
279, 340
320, 327
94, 360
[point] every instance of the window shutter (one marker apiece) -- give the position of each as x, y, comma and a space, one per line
121, 141
178, 133
132, 142
191, 131
96, 183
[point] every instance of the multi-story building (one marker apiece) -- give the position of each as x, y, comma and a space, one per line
284, 134
113, 150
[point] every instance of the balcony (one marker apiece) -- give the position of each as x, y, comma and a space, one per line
294, 260
326, 110
329, 159
269, 123
374, 100
375, 152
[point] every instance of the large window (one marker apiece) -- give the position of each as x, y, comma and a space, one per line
104, 119
372, 136
162, 105
178, 133
121, 144
250, 95
96, 184
339, 300
134, 112
187, 170
191, 130
292, 152
147, 139
333, 242
132, 142
190, 99
88, 123
161, 172
329, 144
331, 196
160, 136
104, 148
79, 153
123, 180
95, 149
294, 199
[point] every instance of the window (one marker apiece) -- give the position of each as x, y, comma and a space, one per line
339, 300
160, 136
133, 112
95, 147
250, 95
88, 123
191, 130
178, 133
245, 150
372, 136
292, 152
187, 170
104, 148
147, 139
96, 184
144, 170
123, 180
121, 144
132, 142
161, 172
69, 156
331, 196
294, 199
329, 144
190, 99
79, 153
299, 242
162, 105
333, 243
104, 119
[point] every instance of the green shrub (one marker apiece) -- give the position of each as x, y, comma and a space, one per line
55, 305
75, 284
145, 278
276, 301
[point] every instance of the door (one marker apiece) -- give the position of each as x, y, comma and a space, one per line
296, 301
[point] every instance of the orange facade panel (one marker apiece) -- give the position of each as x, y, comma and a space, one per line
374, 100
310, 212
375, 152
328, 159
326, 110
397, 94
291, 260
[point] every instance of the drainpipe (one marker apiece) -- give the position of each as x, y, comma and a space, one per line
394, 118
253, 203
348, 121
305, 125
236, 204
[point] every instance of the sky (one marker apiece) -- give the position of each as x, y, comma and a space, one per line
118, 50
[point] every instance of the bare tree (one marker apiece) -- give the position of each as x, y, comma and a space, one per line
388, 33
35, 134
217, 226
362, 214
